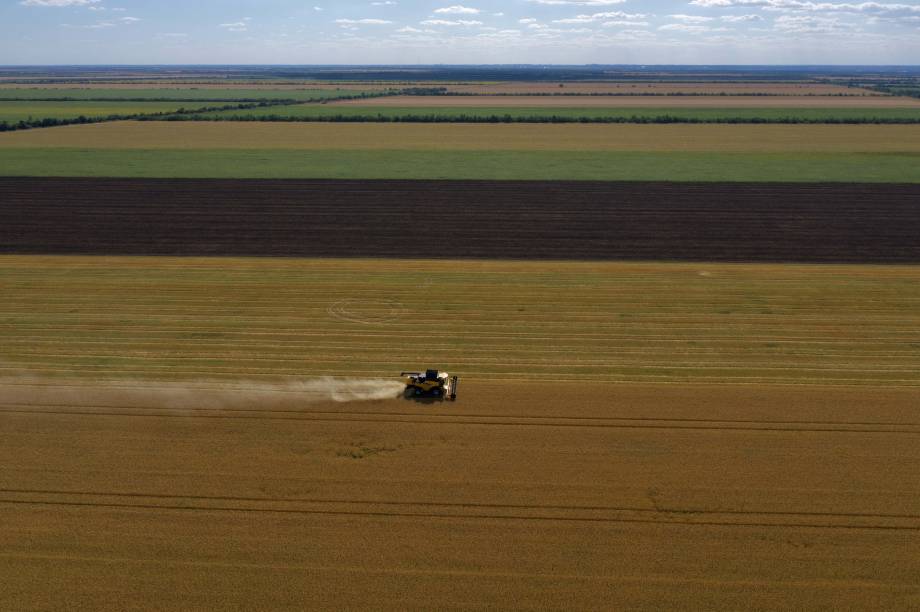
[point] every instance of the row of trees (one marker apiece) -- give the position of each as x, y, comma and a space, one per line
255, 101
45, 122
642, 119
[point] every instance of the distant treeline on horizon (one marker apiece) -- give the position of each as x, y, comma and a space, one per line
411, 73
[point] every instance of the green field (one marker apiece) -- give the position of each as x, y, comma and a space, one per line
209, 94
319, 112
497, 165
14, 111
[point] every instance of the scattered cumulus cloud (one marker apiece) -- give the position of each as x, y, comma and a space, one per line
457, 10
59, 2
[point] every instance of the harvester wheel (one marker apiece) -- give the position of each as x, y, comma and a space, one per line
436, 392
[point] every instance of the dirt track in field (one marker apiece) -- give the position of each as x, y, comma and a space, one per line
639, 101
515, 220
544, 497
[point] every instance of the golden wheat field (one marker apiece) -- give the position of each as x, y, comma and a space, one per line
565, 321
627, 436
473, 137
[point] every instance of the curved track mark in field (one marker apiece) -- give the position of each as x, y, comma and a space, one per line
366, 311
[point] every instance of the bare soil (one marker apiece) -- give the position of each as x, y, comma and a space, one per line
444, 219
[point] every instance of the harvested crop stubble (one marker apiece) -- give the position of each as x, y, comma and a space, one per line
640, 101
264, 319
476, 137
537, 497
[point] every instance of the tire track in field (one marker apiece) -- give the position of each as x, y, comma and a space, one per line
541, 419
461, 511
662, 424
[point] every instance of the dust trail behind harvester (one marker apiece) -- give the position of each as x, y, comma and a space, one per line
193, 395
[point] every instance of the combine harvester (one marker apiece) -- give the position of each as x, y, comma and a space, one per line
431, 383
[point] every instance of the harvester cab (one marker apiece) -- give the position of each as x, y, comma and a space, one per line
431, 383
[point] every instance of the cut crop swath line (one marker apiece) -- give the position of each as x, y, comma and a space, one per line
377, 502
300, 569
297, 364
277, 335
543, 419
663, 520
170, 414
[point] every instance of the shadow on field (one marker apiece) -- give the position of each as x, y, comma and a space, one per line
410, 396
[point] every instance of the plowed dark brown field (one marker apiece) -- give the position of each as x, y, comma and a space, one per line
441, 219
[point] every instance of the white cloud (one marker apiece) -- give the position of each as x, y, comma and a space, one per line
740, 18
362, 21
579, 2
457, 9
606, 16
875, 8
618, 23
237, 26
58, 2
689, 28
445, 22
691, 18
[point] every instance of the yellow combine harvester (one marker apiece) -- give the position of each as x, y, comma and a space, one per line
431, 383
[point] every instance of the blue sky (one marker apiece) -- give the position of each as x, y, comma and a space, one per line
493, 31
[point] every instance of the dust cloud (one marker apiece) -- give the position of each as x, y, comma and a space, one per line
191, 395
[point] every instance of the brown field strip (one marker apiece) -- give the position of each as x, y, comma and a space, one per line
518, 220
770, 89
473, 137
638, 102
230, 319
529, 497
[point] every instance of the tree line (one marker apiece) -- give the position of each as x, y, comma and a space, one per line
640, 119
46, 122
